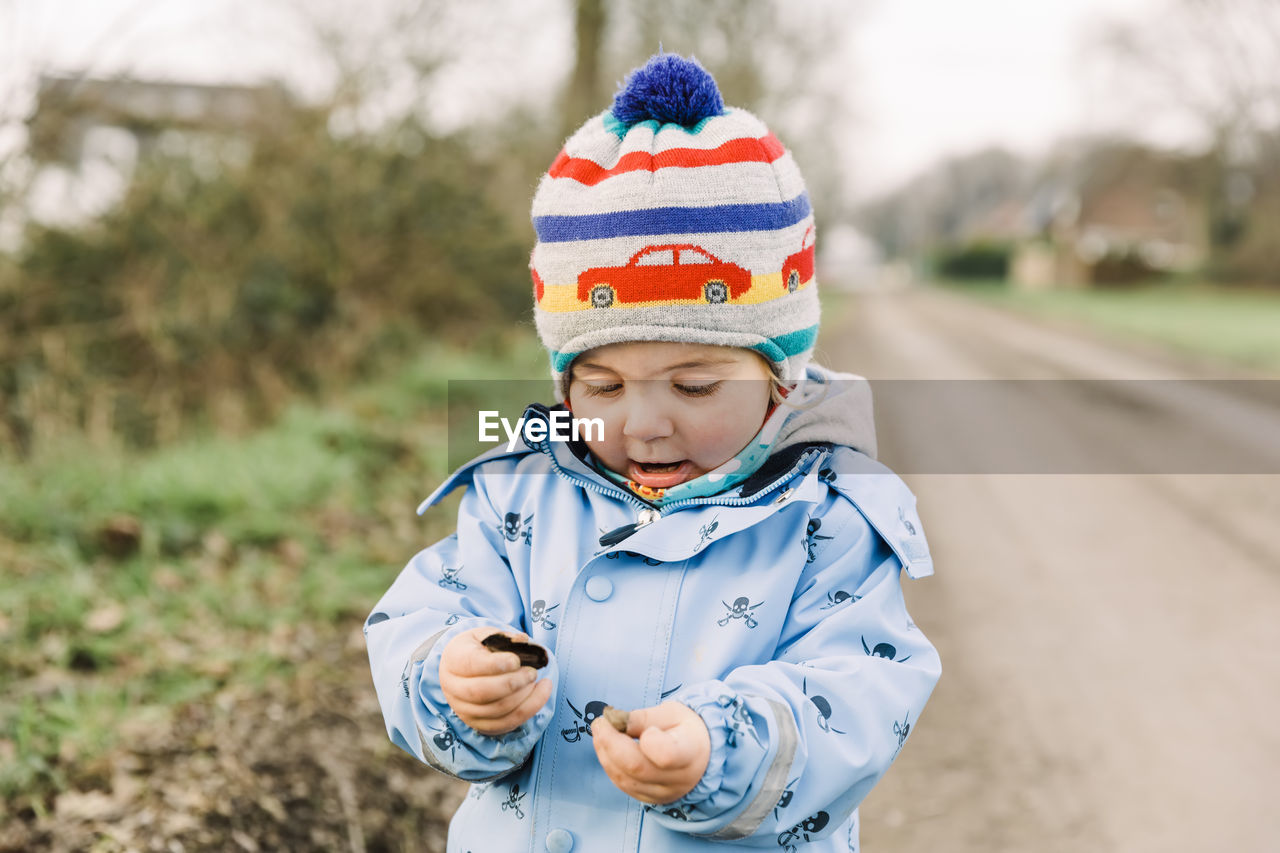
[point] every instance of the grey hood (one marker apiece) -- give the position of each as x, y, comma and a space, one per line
830, 407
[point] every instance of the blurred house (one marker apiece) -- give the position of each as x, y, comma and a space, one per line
87, 135
1009, 220
956, 202
1090, 215
1120, 213
69, 109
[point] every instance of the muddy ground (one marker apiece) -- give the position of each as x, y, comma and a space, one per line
300, 766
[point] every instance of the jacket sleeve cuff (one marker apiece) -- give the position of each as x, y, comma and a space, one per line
738, 749
452, 746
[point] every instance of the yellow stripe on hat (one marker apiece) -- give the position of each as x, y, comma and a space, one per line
563, 298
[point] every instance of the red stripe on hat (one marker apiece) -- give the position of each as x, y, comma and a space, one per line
766, 149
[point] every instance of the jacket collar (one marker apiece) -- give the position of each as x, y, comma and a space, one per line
759, 497
571, 458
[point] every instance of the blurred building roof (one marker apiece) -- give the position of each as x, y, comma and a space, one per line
67, 108
1007, 221
1137, 192
1120, 210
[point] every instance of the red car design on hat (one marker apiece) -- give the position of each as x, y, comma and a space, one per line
663, 273
797, 269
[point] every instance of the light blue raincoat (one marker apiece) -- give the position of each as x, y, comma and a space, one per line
774, 610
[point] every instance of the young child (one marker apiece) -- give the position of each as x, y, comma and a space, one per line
723, 562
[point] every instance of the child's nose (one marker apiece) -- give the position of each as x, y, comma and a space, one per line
647, 421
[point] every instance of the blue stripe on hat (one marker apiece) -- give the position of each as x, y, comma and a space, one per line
718, 219
619, 129
560, 361
781, 347
777, 348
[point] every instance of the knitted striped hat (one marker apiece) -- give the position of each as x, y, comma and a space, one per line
671, 217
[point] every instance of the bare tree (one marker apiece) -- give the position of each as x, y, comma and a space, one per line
1215, 64
790, 62
379, 58
931, 210
585, 91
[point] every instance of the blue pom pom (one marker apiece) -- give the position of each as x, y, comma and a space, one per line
669, 88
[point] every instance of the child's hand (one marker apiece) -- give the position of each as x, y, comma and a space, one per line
490, 691
665, 760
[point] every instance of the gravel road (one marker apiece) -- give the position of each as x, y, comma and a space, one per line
1110, 641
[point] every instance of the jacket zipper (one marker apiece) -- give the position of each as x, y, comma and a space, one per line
791, 472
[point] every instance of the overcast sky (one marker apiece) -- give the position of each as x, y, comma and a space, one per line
949, 77
931, 77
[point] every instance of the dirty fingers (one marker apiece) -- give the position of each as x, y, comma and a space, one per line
660, 757
490, 691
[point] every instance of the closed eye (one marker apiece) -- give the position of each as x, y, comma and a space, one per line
698, 390
603, 390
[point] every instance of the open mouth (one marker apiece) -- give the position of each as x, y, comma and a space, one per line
658, 467
659, 475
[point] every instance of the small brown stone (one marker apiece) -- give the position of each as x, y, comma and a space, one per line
530, 654
617, 718
120, 536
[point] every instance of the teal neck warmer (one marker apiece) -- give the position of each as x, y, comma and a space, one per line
724, 477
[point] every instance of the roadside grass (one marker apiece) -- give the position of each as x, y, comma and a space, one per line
133, 583
1187, 316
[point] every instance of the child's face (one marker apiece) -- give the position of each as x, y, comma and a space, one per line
672, 412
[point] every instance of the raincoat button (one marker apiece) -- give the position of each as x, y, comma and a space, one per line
559, 841
599, 588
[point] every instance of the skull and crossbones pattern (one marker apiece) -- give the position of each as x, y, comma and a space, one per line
586, 717
539, 612
812, 538
514, 529
445, 740
374, 619
911, 528
705, 532
449, 577
742, 608
823, 707
404, 678
883, 650
514, 796
813, 824
739, 719
835, 599
648, 561
901, 730
785, 799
